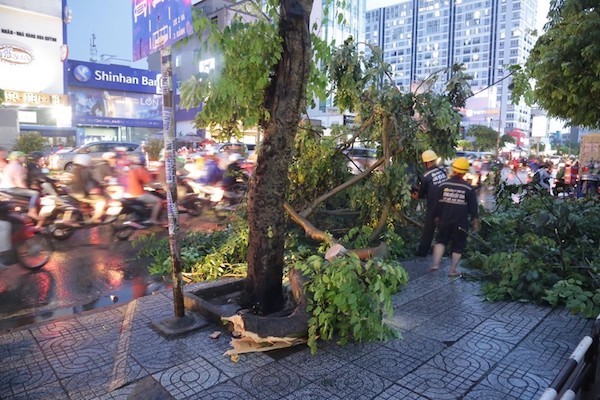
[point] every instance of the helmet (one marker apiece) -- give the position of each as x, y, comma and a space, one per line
429, 155
460, 165
15, 155
108, 155
36, 155
83, 160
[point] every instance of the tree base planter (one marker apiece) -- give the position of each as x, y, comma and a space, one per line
215, 300
218, 302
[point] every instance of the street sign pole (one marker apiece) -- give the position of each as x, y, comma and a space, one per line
170, 168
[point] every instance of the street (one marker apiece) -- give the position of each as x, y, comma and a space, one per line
88, 271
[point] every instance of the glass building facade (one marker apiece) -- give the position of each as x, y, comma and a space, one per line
422, 37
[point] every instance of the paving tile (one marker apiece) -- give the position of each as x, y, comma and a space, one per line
273, 381
545, 364
396, 392
100, 382
24, 378
68, 328
18, 347
468, 366
350, 351
512, 332
155, 352
435, 383
558, 332
516, 383
481, 392
312, 392
406, 319
48, 391
188, 379
67, 362
458, 318
428, 305
444, 332
479, 306
313, 367
489, 348
225, 391
524, 314
354, 383
213, 351
387, 363
160, 354
416, 346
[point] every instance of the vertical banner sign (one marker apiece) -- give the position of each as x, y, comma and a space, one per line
156, 25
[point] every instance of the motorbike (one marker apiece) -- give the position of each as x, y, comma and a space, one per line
51, 208
135, 212
29, 247
64, 214
222, 200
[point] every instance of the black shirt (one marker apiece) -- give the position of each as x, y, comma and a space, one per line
456, 201
428, 182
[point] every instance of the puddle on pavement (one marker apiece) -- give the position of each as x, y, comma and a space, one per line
129, 290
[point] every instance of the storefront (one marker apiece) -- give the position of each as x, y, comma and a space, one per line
113, 102
32, 51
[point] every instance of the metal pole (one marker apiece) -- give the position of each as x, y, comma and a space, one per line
170, 167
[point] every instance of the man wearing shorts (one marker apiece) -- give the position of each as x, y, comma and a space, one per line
457, 202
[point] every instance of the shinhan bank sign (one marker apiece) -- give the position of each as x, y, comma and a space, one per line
114, 77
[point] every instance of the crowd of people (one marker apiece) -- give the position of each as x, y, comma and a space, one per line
451, 196
118, 174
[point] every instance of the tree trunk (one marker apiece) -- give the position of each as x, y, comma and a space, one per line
285, 99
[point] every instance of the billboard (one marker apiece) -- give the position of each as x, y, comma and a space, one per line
113, 77
159, 23
115, 108
30, 52
481, 109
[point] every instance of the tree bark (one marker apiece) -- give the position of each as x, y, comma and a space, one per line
285, 99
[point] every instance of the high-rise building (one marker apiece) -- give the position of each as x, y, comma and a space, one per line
422, 37
333, 31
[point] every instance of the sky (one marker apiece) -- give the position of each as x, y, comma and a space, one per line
102, 18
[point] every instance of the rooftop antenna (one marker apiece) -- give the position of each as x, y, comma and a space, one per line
93, 48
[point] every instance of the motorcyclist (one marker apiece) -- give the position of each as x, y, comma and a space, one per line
234, 171
212, 173
36, 177
13, 182
83, 185
544, 174
137, 177
104, 171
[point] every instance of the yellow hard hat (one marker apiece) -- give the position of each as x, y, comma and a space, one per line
460, 165
429, 155
15, 155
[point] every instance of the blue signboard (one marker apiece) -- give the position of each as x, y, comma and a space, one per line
159, 23
115, 108
114, 77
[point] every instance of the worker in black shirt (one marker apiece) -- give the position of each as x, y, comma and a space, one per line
428, 182
456, 202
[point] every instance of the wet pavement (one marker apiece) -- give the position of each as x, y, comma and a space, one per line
454, 346
90, 270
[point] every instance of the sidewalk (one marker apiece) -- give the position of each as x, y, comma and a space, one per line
454, 346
